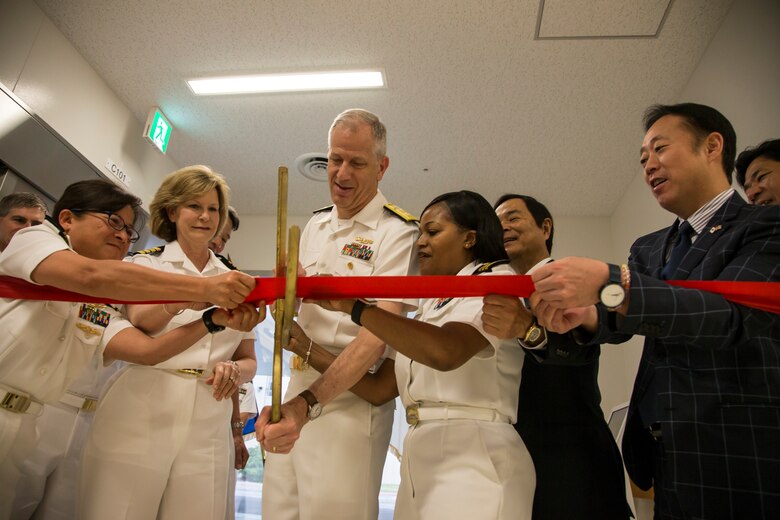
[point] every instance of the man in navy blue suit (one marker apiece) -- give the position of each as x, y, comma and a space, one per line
703, 426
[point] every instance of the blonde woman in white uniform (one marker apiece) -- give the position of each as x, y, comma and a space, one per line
160, 445
462, 457
45, 345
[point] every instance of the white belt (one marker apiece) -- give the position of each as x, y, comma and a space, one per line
416, 414
19, 402
81, 402
188, 372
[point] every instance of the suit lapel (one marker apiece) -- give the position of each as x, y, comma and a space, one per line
657, 257
717, 225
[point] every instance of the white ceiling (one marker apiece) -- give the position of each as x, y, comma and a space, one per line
542, 97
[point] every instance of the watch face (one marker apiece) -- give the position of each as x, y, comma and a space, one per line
612, 295
534, 334
315, 410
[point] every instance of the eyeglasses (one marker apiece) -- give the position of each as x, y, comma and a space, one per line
114, 221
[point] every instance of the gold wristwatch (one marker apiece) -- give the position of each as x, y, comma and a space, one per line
535, 337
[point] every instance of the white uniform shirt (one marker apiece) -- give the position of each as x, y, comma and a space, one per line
211, 348
45, 345
375, 242
490, 379
247, 401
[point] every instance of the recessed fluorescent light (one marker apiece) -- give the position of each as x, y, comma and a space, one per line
296, 82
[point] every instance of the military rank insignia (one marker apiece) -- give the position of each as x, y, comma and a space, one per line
94, 314
359, 248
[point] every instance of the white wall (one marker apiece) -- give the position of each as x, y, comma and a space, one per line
740, 72
253, 246
47, 73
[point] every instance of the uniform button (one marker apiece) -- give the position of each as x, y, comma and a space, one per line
62, 338
350, 265
43, 371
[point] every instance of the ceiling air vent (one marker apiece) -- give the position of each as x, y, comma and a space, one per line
313, 166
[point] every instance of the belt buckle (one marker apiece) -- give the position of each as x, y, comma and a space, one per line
15, 403
197, 372
412, 415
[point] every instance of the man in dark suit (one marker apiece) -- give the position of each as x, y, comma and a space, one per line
704, 421
579, 472
758, 172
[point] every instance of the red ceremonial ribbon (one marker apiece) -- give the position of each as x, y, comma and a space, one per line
759, 295
319, 287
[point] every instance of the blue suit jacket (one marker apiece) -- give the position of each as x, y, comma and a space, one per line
716, 366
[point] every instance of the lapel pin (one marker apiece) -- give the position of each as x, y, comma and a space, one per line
713, 229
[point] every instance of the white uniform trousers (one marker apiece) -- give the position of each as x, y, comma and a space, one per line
464, 468
335, 469
17, 440
48, 487
159, 448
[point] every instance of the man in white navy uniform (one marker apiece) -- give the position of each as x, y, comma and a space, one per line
19, 211
335, 469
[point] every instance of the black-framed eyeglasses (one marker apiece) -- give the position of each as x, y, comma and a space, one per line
114, 221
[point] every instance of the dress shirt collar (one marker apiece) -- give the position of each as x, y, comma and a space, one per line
702, 216
540, 264
368, 216
173, 253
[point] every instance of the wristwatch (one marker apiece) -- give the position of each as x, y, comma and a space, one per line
237, 425
315, 408
209, 323
535, 336
612, 294
357, 310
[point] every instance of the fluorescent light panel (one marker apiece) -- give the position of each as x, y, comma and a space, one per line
297, 82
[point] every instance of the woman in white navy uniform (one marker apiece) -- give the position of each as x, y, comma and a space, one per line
462, 458
47, 344
160, 445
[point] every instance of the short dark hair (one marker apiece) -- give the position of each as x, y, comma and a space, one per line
98, 195
23, 199
471, 211
538, 211
769, 149
233, 216
702, 120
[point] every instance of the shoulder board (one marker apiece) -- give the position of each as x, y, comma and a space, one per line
400, 213
151, 251
488, 267
227, 262
321, 210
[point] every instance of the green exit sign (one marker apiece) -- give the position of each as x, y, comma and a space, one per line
158, 129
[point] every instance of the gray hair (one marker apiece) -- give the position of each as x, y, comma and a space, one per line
355, 116
21, 200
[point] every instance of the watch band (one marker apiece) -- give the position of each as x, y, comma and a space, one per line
309, 397
237, 425
613, 293
313, 405
357, 310
209, 323
535, 337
